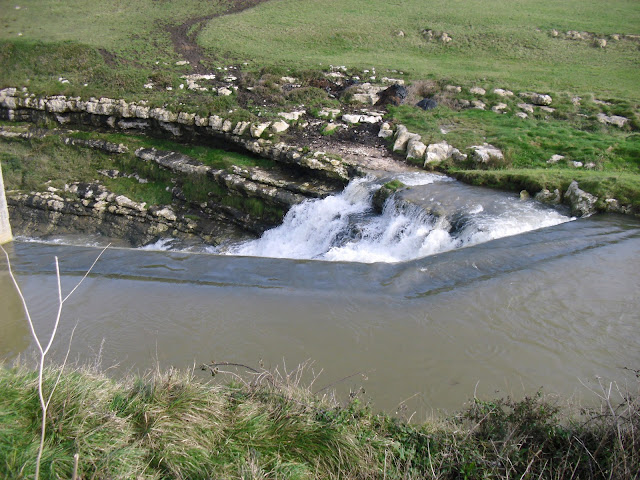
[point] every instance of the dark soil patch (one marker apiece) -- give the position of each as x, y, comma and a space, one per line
108, 57
184, 36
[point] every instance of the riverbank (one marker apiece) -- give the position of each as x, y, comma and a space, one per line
269, 425
218, 178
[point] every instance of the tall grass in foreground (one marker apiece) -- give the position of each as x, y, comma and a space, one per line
170, 425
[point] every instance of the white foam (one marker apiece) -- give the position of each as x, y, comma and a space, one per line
344, 227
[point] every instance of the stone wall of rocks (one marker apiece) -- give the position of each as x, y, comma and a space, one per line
19, 105
90, 208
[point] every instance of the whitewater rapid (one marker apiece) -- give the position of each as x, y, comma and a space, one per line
346, 227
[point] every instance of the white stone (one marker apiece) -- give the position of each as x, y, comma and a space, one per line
201, 121
224, 92
166, 213
366, 98
186, 118
477, 90
477, 104
370, 119
215, 122
402, 138
437, 152
258, 129
393, 81
522, 115
279, 126
415, 148
540, 99
227, 126
240, 128
486, 152
499, 107
453, 88
526, 107
502, 92
292, 116
385, 131
616, 120
555, 159
350, 118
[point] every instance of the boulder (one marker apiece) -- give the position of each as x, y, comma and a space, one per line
540, 99
527, 107
522, 115
439, 152
477, 104
551, 198
485, 153
502, 92
351, 118
227, 126
477, 91
258, 129
616, 120
292, 116
555, 159
385, 131
402, 138
415, 148
499, 107
394, 95
279, 127
427, 104
240, 128
582, 203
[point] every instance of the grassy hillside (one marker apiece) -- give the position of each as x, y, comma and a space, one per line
504, 42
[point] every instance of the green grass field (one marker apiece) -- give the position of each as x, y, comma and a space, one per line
496, 41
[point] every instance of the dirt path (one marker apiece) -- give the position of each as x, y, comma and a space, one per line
184, 36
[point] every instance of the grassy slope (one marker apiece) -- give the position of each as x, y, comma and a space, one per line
171, 426
496, 41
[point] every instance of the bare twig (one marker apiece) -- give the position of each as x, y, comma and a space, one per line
44, 404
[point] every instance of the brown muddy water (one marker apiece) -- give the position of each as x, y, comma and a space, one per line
450, 291
550, 308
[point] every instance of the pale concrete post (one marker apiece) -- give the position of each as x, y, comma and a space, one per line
5, 228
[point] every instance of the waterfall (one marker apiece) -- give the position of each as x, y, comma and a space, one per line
345, 227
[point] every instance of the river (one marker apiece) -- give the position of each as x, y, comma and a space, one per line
472, 292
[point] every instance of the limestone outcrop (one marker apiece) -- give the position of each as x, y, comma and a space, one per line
582, 203
138, 117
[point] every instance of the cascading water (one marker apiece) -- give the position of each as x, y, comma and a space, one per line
437, 214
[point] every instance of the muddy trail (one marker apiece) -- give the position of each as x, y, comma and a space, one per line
184, 36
